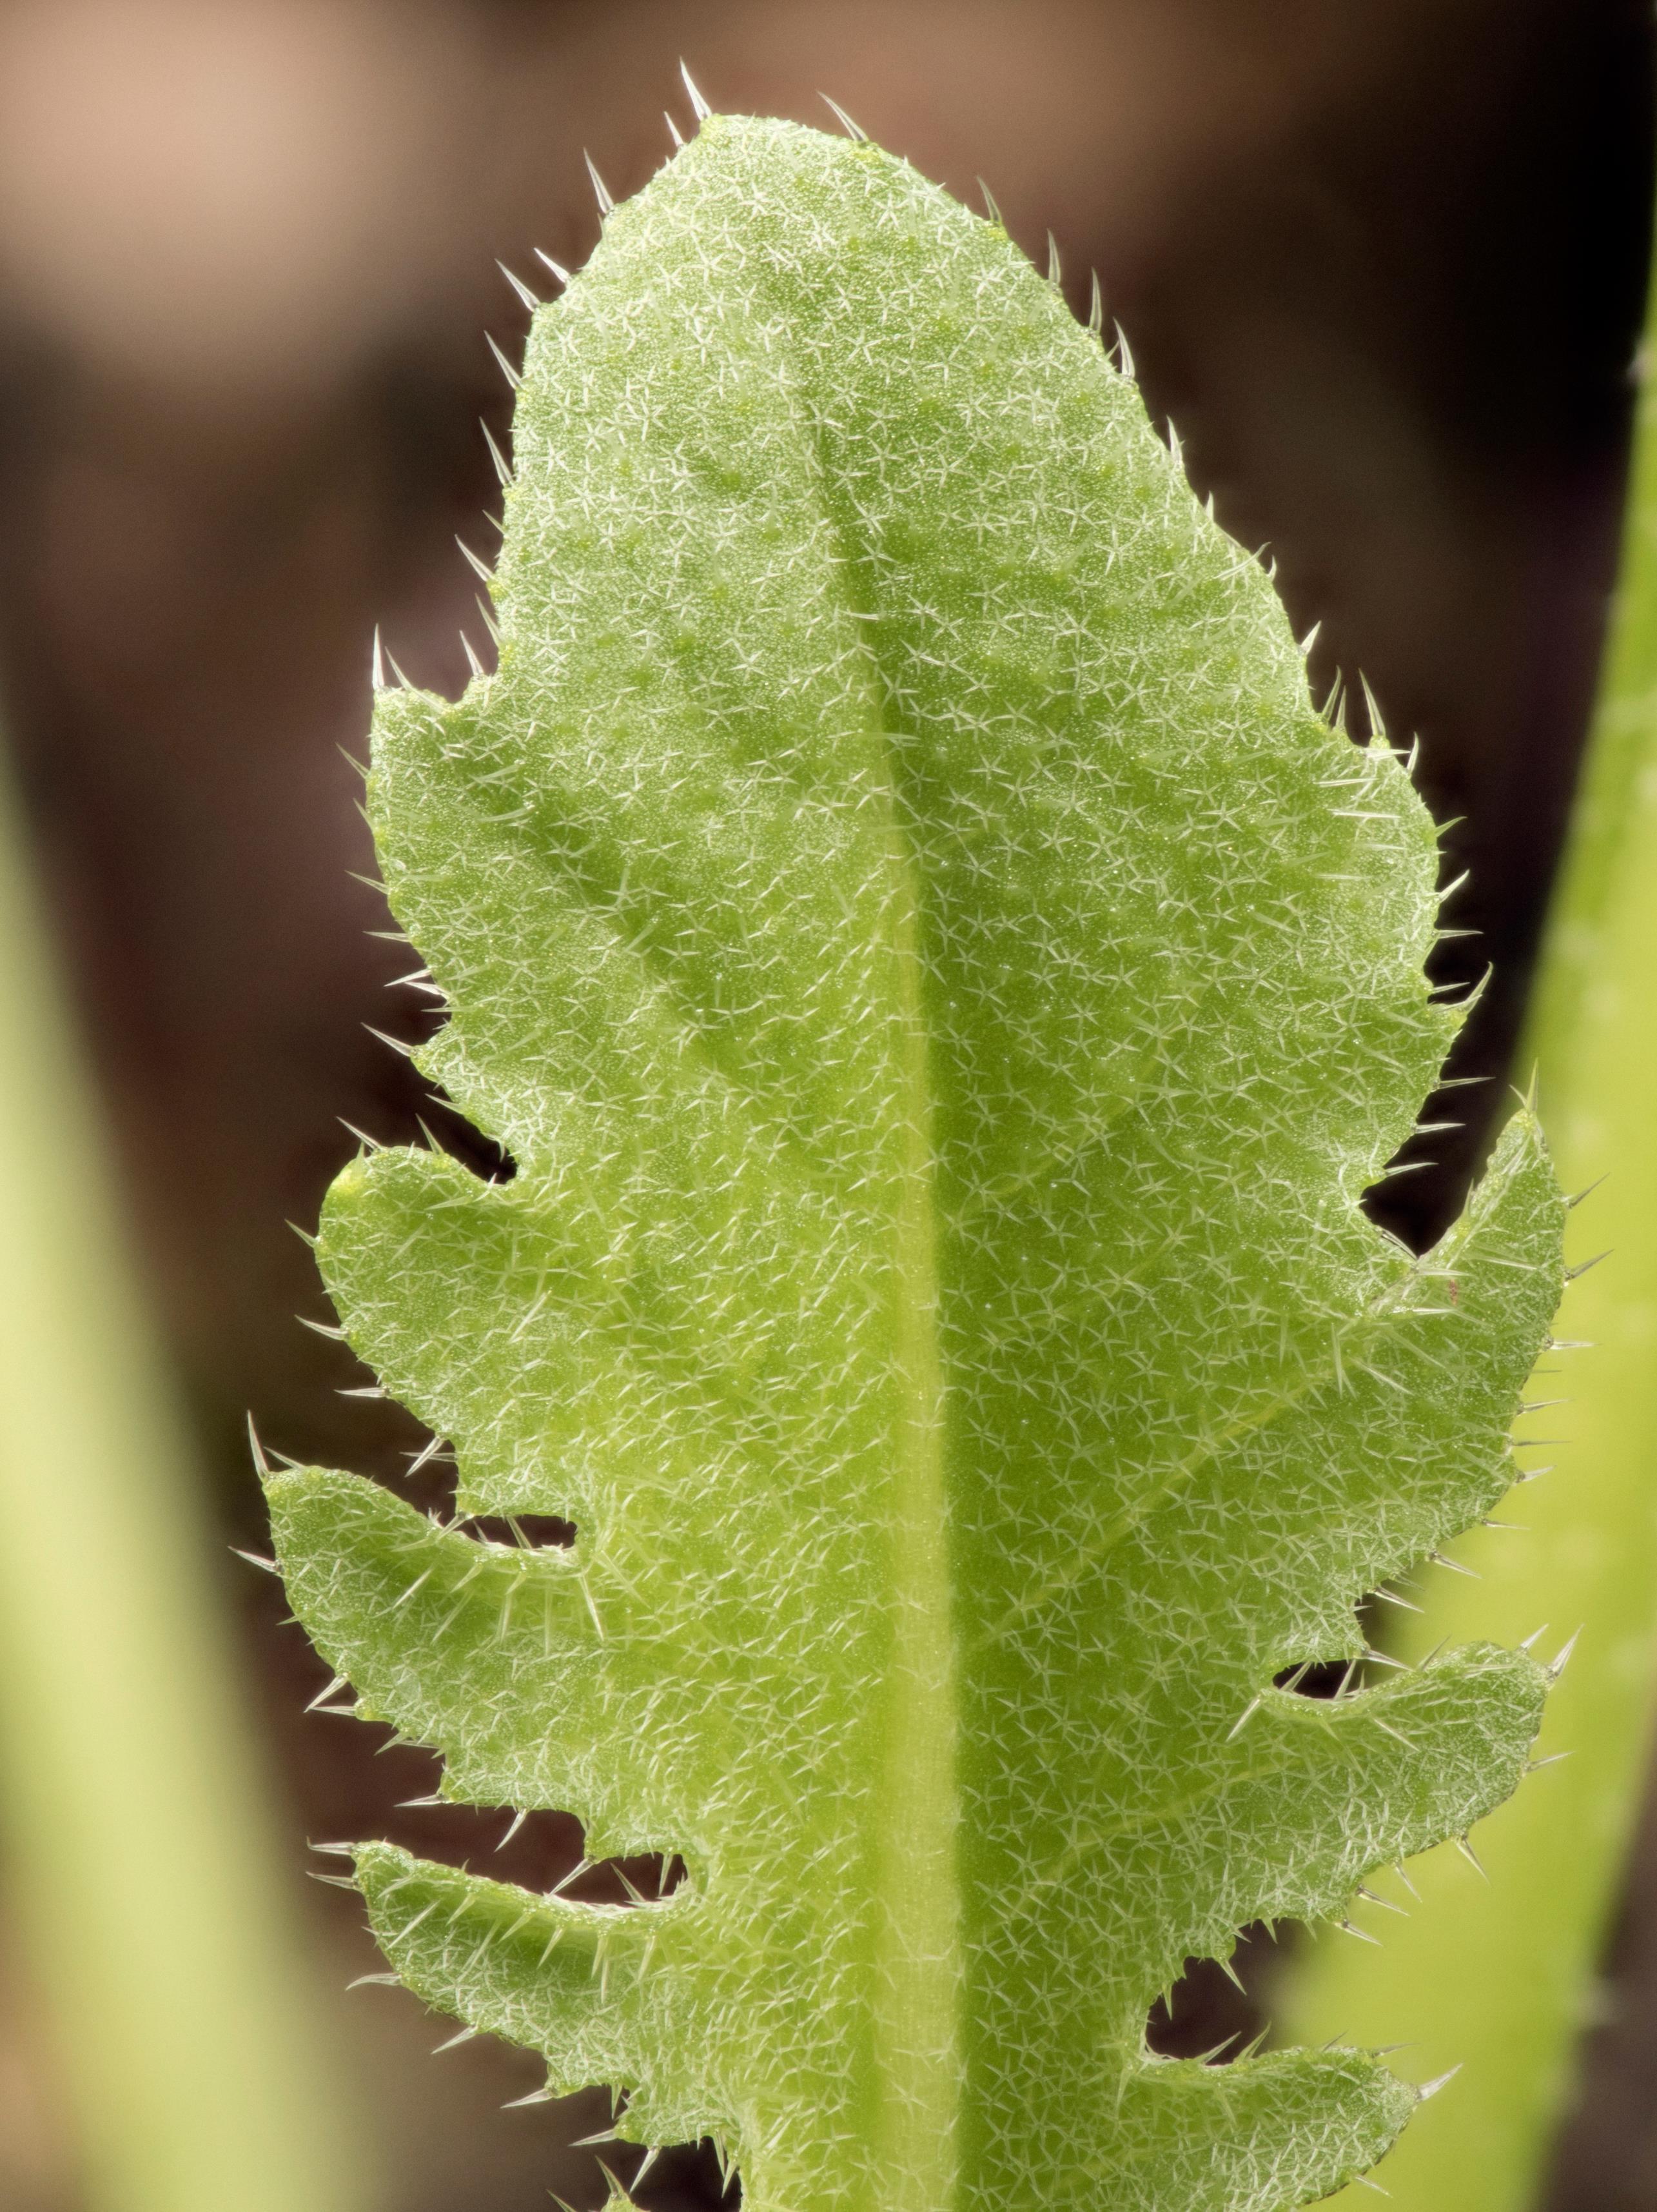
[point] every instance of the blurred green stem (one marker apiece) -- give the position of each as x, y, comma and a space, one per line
1502, 1978
142, 1856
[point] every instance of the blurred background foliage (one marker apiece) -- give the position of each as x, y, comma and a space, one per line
1380, 261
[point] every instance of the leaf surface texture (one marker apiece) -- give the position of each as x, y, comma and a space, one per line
944, 991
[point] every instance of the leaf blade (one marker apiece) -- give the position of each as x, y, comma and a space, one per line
944, 992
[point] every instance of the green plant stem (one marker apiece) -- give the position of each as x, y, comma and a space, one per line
1500, 1978
140, 1860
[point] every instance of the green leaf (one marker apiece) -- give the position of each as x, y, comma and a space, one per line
944, 992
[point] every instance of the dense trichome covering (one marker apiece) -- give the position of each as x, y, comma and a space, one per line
944, 991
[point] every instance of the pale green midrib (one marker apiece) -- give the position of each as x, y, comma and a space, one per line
917, 1980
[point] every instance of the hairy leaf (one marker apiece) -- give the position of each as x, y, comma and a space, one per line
944, 992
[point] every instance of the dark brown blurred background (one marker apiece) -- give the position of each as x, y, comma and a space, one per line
1380, 261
